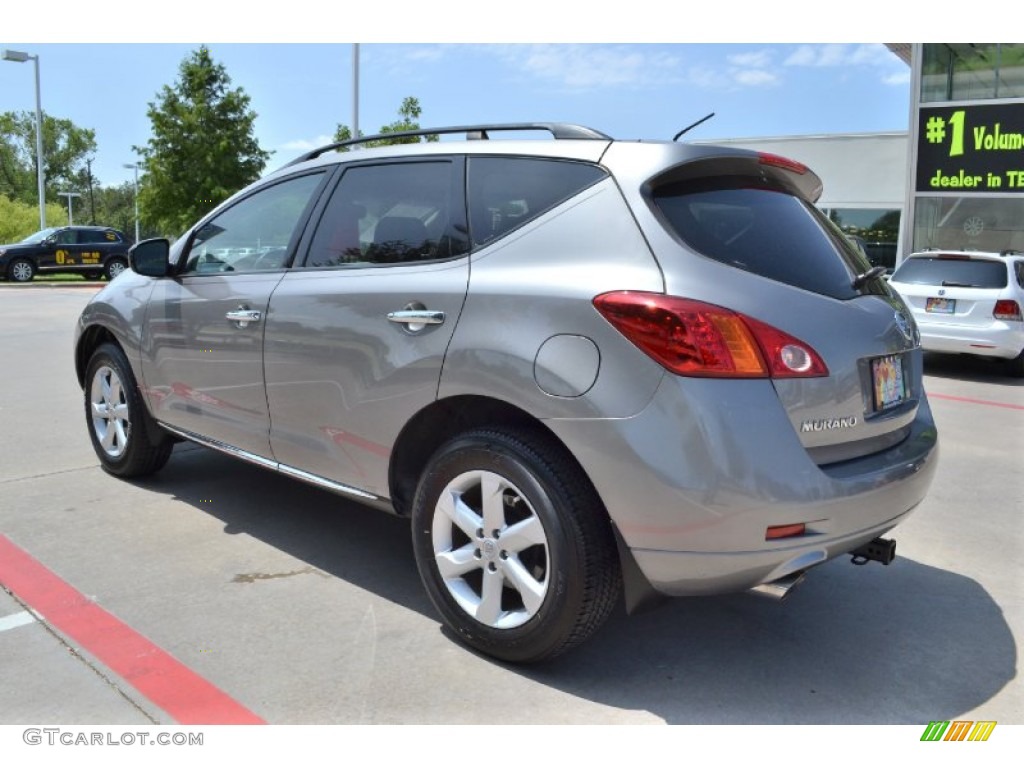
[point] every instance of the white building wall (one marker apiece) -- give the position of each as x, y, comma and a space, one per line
862, 170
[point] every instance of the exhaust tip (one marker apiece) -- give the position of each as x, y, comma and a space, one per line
780, 588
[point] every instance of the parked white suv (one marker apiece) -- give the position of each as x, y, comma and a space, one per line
967, 302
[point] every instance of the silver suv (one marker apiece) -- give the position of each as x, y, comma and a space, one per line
581, 366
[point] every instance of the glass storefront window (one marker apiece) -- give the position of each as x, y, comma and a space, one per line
972, 71
969, 223
877, 231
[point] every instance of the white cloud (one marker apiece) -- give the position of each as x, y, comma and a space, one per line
752, 59
841, 55
755, 77
305, 145
897, 78
586, 67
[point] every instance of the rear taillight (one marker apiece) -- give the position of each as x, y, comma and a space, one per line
691, 338
1007, 309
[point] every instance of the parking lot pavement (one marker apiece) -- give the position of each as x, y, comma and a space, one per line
303, 607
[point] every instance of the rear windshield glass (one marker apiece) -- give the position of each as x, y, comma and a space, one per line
764, 230
972, 273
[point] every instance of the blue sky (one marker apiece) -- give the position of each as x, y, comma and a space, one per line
300, 81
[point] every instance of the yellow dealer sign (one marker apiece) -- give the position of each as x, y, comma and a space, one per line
971, 149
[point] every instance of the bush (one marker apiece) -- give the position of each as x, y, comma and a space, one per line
19, 220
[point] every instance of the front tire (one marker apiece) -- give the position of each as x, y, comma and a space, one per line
513, 545
126, 442
21, 270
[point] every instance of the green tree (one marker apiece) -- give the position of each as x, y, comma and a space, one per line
18, 219
203, 148
65, 150
408, 120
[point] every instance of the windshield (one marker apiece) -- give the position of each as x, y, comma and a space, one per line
39, 236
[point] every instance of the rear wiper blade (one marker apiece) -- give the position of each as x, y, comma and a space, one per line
871, 274
954, 284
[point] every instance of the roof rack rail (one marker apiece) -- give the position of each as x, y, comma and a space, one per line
1011, 252
473, 132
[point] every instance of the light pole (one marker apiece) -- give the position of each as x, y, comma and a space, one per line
136, 167
22, 57
70, 196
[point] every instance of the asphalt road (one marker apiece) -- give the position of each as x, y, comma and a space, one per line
304, 608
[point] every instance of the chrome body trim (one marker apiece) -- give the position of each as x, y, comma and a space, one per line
283, 469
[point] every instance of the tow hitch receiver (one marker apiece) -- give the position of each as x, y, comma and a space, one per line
881, 550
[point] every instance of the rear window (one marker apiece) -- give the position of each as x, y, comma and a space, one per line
765, 230
969, 273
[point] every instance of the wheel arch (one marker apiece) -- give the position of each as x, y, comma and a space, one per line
445, 418
90, 340
437, 423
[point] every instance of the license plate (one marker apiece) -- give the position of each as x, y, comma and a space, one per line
941, 306
888, 383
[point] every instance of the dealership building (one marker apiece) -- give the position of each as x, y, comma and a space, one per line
954, 180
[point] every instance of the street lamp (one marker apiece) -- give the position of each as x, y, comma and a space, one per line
22, 57
70, 196
136, 167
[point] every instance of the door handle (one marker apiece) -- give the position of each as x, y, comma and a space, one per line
418, 317
243, 316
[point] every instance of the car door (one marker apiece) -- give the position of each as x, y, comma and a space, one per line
203, 335
61, 250
356, 337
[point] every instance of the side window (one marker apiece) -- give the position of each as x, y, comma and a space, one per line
94, 236
66, 237
1018, 267
507, 192
390, 214
253, 234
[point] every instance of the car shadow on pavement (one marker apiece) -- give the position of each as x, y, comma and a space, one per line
970, 368
906, 643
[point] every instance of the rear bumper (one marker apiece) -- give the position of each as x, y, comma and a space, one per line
1000, 339
692, 485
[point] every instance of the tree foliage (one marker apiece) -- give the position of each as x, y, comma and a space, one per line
65, 149
19, 219
202, 149
408, 120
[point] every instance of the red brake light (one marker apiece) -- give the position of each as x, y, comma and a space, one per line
691, 338
784, 531
767, 158
1007, 309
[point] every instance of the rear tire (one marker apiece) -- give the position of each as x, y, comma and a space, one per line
114, 267
126, 441
1015, 367
513, 545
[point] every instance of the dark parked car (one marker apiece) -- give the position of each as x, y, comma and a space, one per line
91, 251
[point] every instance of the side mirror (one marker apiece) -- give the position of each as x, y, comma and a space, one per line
151, 257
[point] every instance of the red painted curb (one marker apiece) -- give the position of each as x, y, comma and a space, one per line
165, 681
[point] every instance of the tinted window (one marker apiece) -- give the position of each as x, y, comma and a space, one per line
507, 192
66, 237
253, 234
390, 214
97, 236
974, 273
762, 230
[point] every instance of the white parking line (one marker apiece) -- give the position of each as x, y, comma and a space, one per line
16, 620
